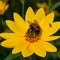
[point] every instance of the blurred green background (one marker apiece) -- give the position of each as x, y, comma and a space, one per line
20, 6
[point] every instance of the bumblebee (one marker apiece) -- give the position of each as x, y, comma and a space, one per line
34, 30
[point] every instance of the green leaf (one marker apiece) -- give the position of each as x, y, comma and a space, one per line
55, 6
12, 56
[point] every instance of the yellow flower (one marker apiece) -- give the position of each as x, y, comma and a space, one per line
32, 35
3, 7
44, 5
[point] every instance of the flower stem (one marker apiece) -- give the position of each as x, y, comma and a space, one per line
23, 4
2, 24
23, 10
49, 5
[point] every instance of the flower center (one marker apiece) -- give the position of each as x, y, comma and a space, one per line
34, 32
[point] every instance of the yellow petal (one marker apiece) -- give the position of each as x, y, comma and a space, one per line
49, 47
1, 2
8, 43
50, 17
29, 15
16, 50
12, 37
27, 52
40, 16
48, 21
22, 25
51, 30
9, 35
6, 7
13, 27
54, 28
20, 46
50, 38
38, 50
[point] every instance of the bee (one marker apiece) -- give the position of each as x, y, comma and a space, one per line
34, 30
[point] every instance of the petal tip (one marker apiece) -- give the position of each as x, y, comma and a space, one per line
13, 52
7, 21
42, 9
55, 50
29, 7
14, 13
52, 13
2, 44
1, 34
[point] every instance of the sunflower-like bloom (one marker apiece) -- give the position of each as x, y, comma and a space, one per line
3, 7
32, 34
